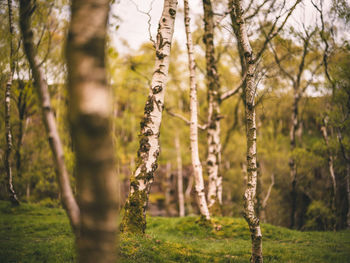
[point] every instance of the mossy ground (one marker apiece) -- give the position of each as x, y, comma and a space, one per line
32, 233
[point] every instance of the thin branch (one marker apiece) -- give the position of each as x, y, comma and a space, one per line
149, 19
233, 127
278, 62
184, 119
305, 53
257, 10
232, 92
312, 77
326, 50
273, 33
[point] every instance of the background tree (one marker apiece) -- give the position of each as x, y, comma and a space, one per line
8, 155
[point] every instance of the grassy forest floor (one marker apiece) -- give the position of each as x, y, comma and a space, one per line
32, 233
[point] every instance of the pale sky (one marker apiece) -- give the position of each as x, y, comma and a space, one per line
134, 27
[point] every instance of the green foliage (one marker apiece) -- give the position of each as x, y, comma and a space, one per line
319, 217
31, 233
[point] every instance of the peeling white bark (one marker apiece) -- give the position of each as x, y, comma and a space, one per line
196, 164
140, 182
8, 151
180, 190
250, 87
213, 131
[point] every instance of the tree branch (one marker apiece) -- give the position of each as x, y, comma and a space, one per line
273, 33
232, 92
184, 119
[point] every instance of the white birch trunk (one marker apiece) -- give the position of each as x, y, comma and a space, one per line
250, 88
68, 200
292, 164
196, 164
330, 165
141, 180
8, 151
168, 188
213, 131
188, 195
180, 190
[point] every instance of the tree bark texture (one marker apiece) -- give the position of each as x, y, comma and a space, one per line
180, 191
134, 219
250, 88
8, 152
188, 195
196, 164
168, 188
330, 158
90, 111
347, 176
27, 7
213, 130
235, 28
22, 107
292, 163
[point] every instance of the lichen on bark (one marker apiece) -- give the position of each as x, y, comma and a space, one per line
134, 219
213, 131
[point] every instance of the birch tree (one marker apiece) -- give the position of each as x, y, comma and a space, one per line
250, 91
213, 128
196, 164
9, 145
134, 219
299, 89
90, 110
330, 158
180, 191
68, 201
94, 220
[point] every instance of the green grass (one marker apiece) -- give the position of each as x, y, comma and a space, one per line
32, 233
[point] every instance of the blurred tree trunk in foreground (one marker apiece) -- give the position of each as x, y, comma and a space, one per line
90, 111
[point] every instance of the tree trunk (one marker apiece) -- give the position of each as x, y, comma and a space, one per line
292, 163
26, 9
90, 111
168, 188
330, 166
250, 91
235, 28
347, 177
196, 164
180, 191
213, 131
134, 219
22, 108
188, 195
8, 151
348, 193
